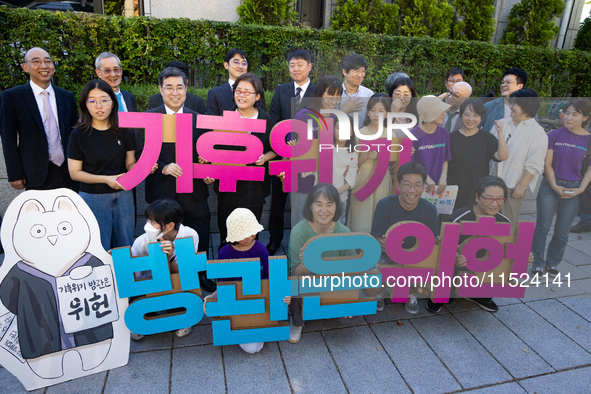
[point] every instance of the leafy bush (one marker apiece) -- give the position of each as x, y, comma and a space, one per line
365, 16
146, 44
531, 22
420, 18
268, 12
476, 22
583, 40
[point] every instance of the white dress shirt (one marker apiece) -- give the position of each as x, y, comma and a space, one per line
527, 143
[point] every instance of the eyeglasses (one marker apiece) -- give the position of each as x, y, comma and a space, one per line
37, 62
451, 93
103, 102
398, 94
242, 63
507, 82
108, 71
246, 93
170, 89
452, 81
407, 186
360, 71
331, 99
489, 200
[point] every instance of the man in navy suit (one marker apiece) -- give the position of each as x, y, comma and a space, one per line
35, 124
192, 102
162, 183
108, 68
288, 99
221, 98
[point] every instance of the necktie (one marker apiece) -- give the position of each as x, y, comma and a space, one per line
449, 120
56, 153
298, 98
120, 101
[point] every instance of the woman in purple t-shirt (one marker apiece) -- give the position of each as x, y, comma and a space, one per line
563, 181
431, 149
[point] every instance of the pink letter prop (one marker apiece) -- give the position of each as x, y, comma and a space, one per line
184, 152
380, 171
206, 147
152, 123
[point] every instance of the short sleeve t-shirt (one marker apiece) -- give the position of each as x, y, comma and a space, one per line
389, 212
470, 157
431, 150
569, 153
302, 232
258, 250
102, 152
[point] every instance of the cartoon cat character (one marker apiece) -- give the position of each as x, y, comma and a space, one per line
54, 246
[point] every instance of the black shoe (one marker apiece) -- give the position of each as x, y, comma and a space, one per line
433, 307
272, 248
581, 227
487, 306
552, 271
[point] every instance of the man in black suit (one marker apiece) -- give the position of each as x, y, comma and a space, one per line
221, 98
108, 68
288, 99
162, 183
192, 102
35, 124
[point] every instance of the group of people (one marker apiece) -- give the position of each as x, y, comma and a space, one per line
492, 151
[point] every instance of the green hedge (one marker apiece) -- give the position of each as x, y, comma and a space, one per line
145, 44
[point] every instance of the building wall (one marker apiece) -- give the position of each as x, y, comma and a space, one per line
218, 10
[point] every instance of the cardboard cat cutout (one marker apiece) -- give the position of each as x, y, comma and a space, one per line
60, 317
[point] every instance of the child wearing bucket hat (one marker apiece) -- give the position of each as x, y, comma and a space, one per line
243, 228
431, 149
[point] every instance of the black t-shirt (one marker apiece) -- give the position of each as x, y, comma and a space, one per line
470, 157
389, 212
102, 152
467, 214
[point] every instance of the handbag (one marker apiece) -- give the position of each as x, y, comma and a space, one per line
585, 197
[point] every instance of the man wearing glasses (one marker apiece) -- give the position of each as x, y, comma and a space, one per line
108, 68
35, 124
408, 205
162, 183
454, 75
221, 98
489, 197
513, 79
458, 93
192, 102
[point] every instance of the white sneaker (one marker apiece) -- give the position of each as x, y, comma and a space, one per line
136, 337
295, 333
183, 332
252, 348
412, 306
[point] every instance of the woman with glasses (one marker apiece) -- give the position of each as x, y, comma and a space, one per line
248, 89
99, 152
471, 151
327, 95
361, 212
564, 179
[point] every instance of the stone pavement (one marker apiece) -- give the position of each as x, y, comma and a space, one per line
539, 344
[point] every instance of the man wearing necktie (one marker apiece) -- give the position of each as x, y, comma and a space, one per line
288, 99
108, 68
35, 124
456, 95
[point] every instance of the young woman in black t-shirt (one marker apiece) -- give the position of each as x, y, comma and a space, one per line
99, 152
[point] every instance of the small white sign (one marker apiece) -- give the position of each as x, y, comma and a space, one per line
88, 302
445, 201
